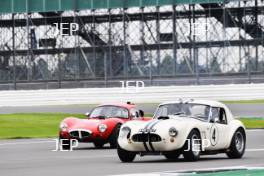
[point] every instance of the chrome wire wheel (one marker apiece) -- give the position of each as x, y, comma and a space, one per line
192, 146
239, 141
238, 144
195, 142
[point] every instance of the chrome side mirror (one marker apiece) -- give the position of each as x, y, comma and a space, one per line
133, 115
87, 114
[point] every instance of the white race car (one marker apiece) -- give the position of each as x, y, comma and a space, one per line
190, 128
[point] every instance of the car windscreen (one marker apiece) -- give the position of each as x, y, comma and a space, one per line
184, 109
109, 111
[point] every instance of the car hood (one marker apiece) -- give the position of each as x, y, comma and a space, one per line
88, 124
175, 121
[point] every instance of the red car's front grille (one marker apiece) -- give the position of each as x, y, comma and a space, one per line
80, 134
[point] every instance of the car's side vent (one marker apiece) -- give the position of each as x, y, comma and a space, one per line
163, 118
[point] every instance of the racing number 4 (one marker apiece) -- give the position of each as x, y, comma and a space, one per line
213, 136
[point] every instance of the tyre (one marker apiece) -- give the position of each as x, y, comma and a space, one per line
238, 144
125, 156
65, 143
172, 155
192, 146
114, 136
99, 144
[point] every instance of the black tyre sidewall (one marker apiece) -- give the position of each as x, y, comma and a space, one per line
125, 156
65, 143
189, 155
114, 136
233, 152
174, 155
98, 144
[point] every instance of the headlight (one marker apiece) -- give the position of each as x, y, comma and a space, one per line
126, 129
125, 132
173, 132
63, 126
102, 128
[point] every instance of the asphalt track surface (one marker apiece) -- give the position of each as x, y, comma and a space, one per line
241, 110
34, 157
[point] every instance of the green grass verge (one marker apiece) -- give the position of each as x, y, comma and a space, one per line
36, 125
244, 102
42, 125
253, 123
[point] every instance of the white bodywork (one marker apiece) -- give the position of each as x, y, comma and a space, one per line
221, 139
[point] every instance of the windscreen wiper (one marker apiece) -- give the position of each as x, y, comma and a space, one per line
101, 117
179, 113
198, 118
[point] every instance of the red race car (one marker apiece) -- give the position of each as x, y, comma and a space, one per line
101, 126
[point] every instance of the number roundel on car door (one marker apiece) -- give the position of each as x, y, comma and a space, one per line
214, 135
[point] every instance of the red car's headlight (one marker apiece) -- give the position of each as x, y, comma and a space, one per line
102, 128
63, 126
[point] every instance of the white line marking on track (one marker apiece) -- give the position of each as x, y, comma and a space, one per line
254, 130
254, 150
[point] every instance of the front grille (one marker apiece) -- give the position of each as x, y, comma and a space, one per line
80, 134
146, 137
85, 134
74, 134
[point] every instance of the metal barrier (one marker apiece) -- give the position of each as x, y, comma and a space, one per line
143, 95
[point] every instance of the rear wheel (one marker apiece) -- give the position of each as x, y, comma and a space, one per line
114, 136
125, 156
192, 146
238, 143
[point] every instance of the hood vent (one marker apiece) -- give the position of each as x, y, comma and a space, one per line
163, 117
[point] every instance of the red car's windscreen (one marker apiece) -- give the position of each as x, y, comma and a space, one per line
109, 111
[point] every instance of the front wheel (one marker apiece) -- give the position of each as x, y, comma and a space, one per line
238, 145
125, 156
98, 144
65, 143
114, 136
192, 146
172, 155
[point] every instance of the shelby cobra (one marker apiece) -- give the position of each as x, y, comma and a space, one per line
101, 126
190, 128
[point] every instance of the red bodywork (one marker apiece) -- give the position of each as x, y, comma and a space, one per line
75, 124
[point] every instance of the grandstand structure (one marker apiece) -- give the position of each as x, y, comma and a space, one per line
161, 42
